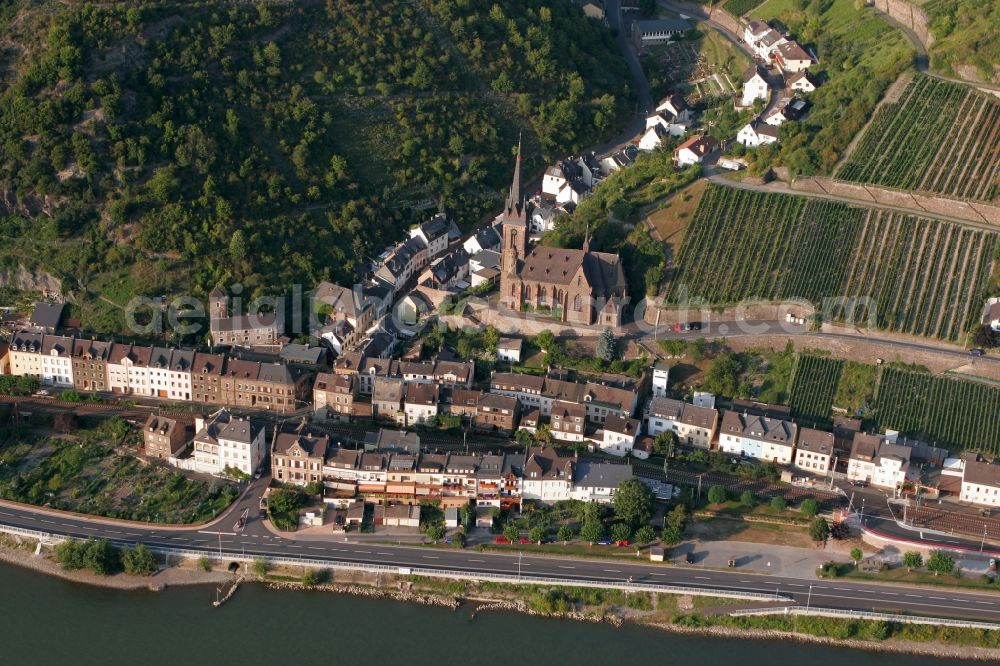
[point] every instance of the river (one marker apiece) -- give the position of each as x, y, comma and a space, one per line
48, 620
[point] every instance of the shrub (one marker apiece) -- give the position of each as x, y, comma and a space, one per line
809, 507
913, 560
138, 561
819, 530
204, 563
261, 566
940, 562
778, 504
748, 499
621, 532
566, 533
645, 534
717, 494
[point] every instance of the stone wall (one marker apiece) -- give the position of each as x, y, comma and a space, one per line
909, 15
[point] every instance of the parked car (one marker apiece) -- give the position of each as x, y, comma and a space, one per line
694, 326
501, 539
976, 352
524, 540
604, 542
677, 328
621, 542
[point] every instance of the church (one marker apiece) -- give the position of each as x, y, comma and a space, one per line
575, 286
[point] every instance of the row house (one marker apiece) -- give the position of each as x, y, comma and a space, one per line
600, 400
350, 314
758, 437
497, 413
618, 435
367, 369
436, 234
568, 421
420, 403
57, 360
694, 425
224, 441
271, 386
387, 399
90, 364
814, 451
547, 475
403, 262
206, 378
25, 353
334, 395
298, 457
170, 373
128, 369
463, 402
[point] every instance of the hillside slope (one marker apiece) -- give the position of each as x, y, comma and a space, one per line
161, 147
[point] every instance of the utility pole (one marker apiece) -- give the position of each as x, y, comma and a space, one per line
983, 544
520, 554
809, 598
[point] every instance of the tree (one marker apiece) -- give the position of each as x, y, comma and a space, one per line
312, 578
592, 531
566, 533
819, 530
983, 336
678, 518
645, 534
778, 504
940, 562
856, 555
665, 443
633, 502
537, 533
809, 507
524, 438
621, 532
512, 532
261, 566
748, 499
912, 560
723, 377
607, 346
435, 532
717, 494
545, 341
672, 536
138, 561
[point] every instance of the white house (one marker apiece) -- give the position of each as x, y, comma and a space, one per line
26, 354
981, 483
693, 425
791, 57
57, 360
814, 451
434, 233
653, 138
569, 421
661, 379
754, 30
486, 239
766, 44
758, 437
991, 314
800, 81
877, 461
597, 482
695, 150
675, 107
547, 476
785, 110
754, 85
673, 126
509, 350
619, 435
757, 133
225, 441
420, 403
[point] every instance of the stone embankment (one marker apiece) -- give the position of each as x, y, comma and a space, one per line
372, 592
521, 607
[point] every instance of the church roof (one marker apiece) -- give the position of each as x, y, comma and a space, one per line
515, 210
602, 271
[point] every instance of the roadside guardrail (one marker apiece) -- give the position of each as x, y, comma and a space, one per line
864, 615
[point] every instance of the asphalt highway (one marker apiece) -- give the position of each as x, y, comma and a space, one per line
257, 540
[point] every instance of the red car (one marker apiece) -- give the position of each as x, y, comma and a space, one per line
621, 543
501, 539
677, 328
524, 540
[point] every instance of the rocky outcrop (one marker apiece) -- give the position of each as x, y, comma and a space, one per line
27, 279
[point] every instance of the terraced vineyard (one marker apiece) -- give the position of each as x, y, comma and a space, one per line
814, 386
896, 272
942, 411
939, 137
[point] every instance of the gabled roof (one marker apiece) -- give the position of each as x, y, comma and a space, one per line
548, 464
621, 425
816, 441
46, 315
600, 475
91, 349
208, 364
312, 445
421, 393
752, 72
699, 144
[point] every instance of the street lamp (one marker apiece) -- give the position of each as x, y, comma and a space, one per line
519, 556
983, 544
862, 512
809, 598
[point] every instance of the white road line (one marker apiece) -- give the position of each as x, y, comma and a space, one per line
893, 594
366, 552
940, 598
430, 557
383, 553
795, 585
913, 596
985, 603
613, 570
657, 574
562, 567
315, 548
703, 577
471, 560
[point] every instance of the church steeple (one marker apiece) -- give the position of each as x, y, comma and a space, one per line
515, 210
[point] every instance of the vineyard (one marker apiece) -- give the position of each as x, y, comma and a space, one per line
941, 411
814, 386
876, 267
939, 137
741, 7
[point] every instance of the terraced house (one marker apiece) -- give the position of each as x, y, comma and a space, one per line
298, 456
90, 364
226, 441
758, 437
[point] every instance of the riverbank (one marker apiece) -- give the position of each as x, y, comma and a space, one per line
679, 614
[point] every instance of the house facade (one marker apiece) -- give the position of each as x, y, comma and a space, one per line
758, 437
814, 451
163, 437
226, 441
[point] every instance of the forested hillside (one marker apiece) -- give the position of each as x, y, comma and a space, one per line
966, 41
160, 147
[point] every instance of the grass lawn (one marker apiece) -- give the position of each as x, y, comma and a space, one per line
735, 529
87, 472
572, 549
916, 577
720, 53
856, 387
671, 218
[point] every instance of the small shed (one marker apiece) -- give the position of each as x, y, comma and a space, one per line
656, 554
451, 517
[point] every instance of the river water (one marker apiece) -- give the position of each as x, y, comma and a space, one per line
48, 620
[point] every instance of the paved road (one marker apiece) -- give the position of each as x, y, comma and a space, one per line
257, 540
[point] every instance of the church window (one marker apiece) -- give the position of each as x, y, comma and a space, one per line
578, 303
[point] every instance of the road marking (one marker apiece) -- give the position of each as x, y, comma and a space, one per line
941, 598
703, 577
657, 574
795, 585
562, 567
292, 545
315, 548
471, 560
383, 553
893, 594
613, 570
430, 557
366, 552
985, 603
913, 596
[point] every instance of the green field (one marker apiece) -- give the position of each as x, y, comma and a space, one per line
941, 411
814, 385
865, 265
740, 7
939, 137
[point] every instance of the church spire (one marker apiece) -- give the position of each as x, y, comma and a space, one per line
515, 200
